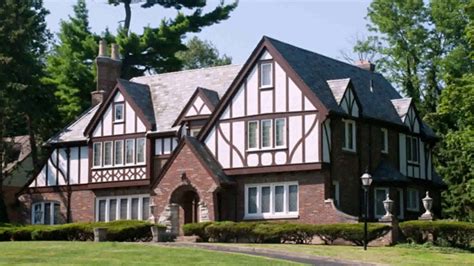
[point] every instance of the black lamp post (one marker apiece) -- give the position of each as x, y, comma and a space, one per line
366, 179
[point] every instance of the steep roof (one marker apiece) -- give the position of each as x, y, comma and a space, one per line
75, 131
141, 96
338, 88
171, 91
315, 70
389, 173
402, 106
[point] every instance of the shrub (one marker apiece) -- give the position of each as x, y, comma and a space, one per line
443, 233
127, 231
197, 229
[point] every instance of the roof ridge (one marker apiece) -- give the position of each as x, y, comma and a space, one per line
325, 56
185, 71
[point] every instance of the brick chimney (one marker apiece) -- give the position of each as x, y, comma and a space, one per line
365, 64
108, 71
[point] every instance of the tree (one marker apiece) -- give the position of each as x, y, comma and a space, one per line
200, 54
455, 122
154, 50
25, 102
70, 66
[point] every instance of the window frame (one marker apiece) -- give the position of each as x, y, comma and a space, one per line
111, 153
94, 157
136, 151
283, 132
415, 208
346, 136
133, 152
260, 66
272, 214
270, 132
121, 154
118, 211
257, 135
42, 205
386, 190
384, 149
116, 105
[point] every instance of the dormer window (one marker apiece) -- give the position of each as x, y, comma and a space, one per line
266, 75
118, 112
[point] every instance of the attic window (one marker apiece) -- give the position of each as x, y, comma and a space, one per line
266, 75
118, 112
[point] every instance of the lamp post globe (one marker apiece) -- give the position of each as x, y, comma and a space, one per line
366, 179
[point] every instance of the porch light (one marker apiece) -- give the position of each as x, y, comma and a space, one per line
366, 180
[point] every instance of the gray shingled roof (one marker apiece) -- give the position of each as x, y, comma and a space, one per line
171, 91
386, 172
210, 162
140, 94
402, 106
374, 92
75, 130
211, 95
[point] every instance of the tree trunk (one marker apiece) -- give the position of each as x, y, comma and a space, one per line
128, 16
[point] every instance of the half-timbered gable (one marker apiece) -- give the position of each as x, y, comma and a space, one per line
119, 145
68, 162
414, 150
267, 119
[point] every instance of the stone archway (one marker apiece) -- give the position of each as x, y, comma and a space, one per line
186, 204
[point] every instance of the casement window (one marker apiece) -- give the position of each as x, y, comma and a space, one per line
130, 207
45, 213
118, 152
266, 75
108, 153
266, 126
380, 194
271, 200
335, 193
140, 150
280, 132
129, 151
266, 134
252, 135
349, 140
118, 112
384, 140
97, 154
413, 155
413, 199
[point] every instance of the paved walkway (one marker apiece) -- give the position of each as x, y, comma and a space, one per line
269, 253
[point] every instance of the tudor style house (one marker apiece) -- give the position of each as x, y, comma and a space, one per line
286, 136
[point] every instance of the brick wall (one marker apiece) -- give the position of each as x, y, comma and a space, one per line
311, 191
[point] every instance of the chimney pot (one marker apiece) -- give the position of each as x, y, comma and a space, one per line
115, 52
365, 64
102, 48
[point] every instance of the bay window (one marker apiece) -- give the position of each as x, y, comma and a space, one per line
118, 152
97, 154
108, 153
140, 150
271, 200
129, 151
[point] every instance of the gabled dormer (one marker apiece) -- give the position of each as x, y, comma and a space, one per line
197, 111
345, 96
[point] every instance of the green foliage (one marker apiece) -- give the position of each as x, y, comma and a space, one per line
444, 233
155, 49
129, 231
283, 232
70, 66
201, 54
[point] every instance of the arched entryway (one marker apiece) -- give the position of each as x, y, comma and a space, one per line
186, 199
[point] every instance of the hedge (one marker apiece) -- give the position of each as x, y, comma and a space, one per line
130, 231
282, 232
443, 233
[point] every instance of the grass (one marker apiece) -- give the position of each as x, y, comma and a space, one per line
396, 255
110, 253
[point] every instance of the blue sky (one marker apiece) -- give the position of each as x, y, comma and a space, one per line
326, 27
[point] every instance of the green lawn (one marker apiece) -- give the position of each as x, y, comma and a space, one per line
90, 253
397, 255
